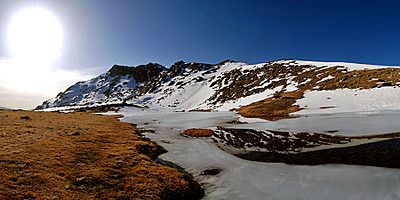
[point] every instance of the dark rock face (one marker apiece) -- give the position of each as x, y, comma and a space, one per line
141, 73
179, 68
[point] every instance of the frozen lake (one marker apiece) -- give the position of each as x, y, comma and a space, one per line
350, 124
242, 179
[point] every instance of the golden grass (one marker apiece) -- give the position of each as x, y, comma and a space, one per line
198, 132
81, 156
274, 108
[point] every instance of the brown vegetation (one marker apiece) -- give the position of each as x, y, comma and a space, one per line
274, 108
198, 132
82, 156
282, 103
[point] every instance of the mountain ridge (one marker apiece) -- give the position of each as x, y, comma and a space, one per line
224, 86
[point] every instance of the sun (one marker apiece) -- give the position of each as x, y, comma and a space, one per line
35, 34
35, 39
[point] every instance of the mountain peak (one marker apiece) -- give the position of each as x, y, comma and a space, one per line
141, 73
227, 61
228, 84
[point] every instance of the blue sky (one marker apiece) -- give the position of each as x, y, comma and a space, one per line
100, 33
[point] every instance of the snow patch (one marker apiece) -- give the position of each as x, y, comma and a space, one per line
349, 100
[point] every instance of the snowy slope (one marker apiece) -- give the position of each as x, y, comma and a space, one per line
222, 86
104, 88
114, 86
191, 89
350, 100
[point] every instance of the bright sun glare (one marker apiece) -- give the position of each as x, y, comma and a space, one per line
35, 40
35, 34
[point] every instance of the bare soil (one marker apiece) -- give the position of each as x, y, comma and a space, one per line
83, 156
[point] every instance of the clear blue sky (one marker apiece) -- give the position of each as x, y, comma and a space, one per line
100, 33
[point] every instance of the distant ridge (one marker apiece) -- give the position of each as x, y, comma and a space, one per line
268, 90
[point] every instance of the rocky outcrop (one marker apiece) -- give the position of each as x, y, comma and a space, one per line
179, 68
141, 73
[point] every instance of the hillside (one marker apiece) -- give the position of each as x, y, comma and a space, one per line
269, 90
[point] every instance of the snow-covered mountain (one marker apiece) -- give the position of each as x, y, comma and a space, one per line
230, 85
114, 86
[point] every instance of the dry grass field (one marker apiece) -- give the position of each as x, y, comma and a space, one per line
83, 156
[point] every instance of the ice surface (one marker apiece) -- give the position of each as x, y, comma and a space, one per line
241, 179
350, 124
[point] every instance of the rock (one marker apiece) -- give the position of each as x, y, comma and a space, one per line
236, 122
166, 141
76, 133
141, 131
73, 133
211, 172
26, 117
